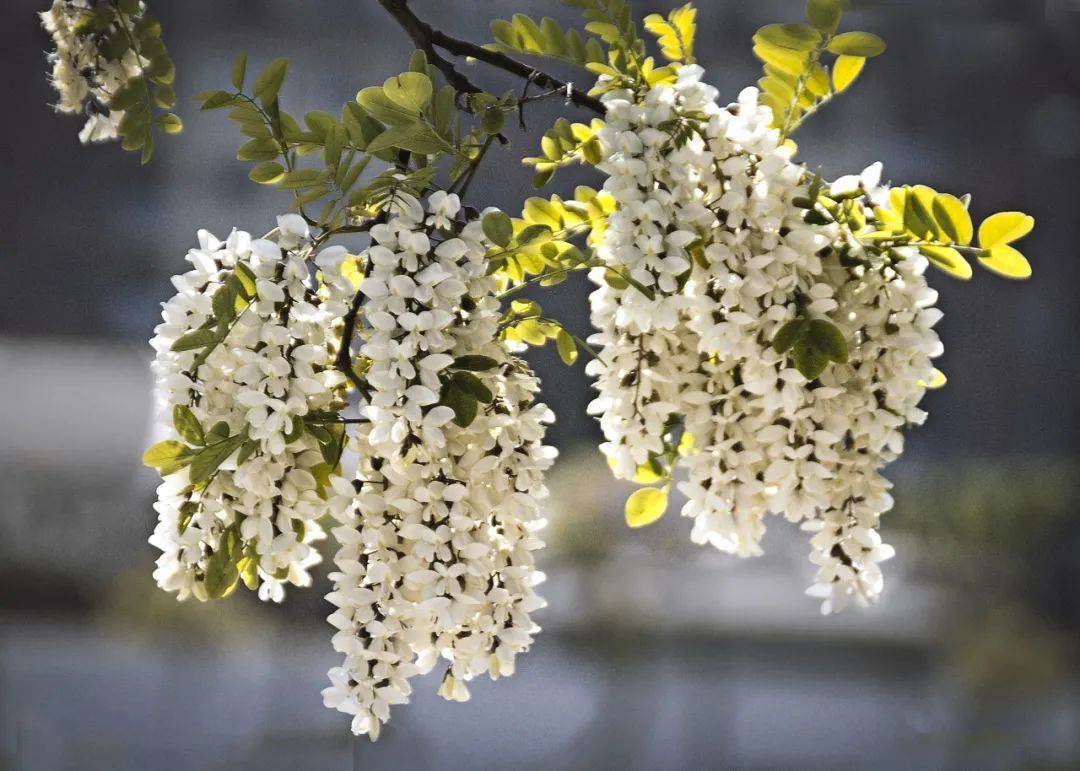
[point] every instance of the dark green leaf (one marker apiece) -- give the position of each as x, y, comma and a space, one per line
824, 14
475, 363
788, 335
206, 461
810, 360
199, 338
828, 338
498, 227
187, 426
472, 385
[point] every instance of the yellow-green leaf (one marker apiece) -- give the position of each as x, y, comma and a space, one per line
953, 217
949, 260
675, 34
797, 37
531, 332
1007, 261
411, 90
845, 71
384, 109
163, 454
865, 44
567, 347
646, 506
1004, 228
267, 173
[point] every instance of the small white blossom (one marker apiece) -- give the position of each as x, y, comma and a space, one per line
438, 529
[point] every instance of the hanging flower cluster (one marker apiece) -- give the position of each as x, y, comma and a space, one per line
244, 355
86, 77
710, 258
436, 538
109, 63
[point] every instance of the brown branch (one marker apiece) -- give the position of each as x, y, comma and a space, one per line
344, 360
427, 39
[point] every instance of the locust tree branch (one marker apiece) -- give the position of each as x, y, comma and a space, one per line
428, 40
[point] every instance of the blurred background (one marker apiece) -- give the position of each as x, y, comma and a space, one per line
655, 653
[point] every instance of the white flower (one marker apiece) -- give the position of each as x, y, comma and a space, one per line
435, 558
272, 368
84, 79
692, 356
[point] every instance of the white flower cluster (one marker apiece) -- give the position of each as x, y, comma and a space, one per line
437, 530
708, 225
83, 76
271, 365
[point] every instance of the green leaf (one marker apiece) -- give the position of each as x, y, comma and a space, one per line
493, 120
410, 90
161, 70
224, 304
245, 277
147, 27
472, 385
498, 227
129, 94
298, 179
269, 82
797, 37
170, 123
567, 348
824, 14
828, 338
198, 338
475, 363
788, 335
216, 99
533, 234
206, 461
239, 69
163, 455
261, 149
646, 506
464, 405
221, 576
375, 101
810, 360
247, 449
268, 173
188, 426
864, 44
416, 138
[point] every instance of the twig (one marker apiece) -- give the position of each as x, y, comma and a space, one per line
427, 39
344, 355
